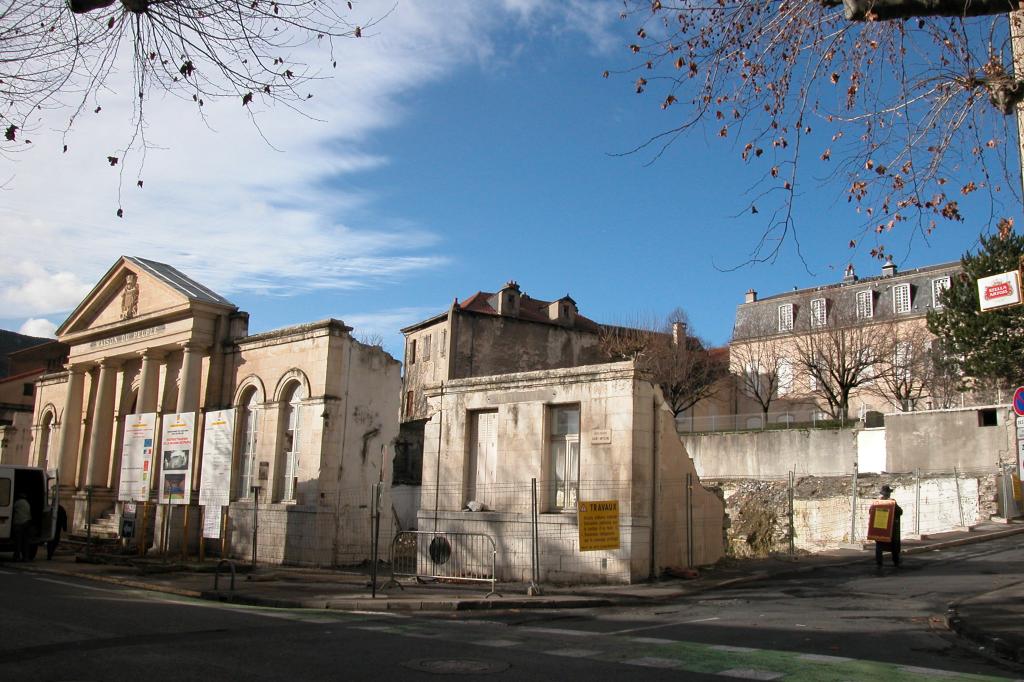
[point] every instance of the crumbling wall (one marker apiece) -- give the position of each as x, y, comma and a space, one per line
759, 512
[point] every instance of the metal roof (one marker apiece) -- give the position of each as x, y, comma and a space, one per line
180, 282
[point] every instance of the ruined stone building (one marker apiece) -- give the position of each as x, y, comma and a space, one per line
488, 333
313, 413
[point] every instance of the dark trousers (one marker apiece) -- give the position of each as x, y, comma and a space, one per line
20, 535
893, 547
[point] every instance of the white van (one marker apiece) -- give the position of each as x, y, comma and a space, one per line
42, 488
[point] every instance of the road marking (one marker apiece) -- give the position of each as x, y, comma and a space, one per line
751, 674
557, 631
654, 662
652, 640
926, 671
821, 658
75, 585
662, 625
573, 653
498, 642
733, 649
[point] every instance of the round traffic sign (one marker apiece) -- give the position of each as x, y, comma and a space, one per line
1018, 401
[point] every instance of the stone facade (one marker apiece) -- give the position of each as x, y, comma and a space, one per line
315, 410
590, 433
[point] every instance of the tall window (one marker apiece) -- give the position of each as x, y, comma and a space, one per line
426, 346
247, 456
292, 419
412, 352
819, 312
785, 377
865, 304
482, 467
939, 285
752, 379
444, 343
786, 317
564, 448
45, 434
901, 298
902, 361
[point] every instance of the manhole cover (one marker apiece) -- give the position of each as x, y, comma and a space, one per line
456, 666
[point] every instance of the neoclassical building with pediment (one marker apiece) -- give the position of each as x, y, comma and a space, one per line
315, 413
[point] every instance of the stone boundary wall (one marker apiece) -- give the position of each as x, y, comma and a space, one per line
758, 509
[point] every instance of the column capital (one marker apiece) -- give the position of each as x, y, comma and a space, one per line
76, 368
109, 363
153, 353
193, 346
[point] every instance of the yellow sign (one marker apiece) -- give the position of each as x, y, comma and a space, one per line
882, 518
599, 525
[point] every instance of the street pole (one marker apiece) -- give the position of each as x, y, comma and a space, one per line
255, 505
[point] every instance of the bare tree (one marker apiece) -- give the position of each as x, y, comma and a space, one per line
679, 363
763, 370
904, 369
906, 117
60, 53
837, 359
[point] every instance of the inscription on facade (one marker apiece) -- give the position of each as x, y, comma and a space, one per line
128, 336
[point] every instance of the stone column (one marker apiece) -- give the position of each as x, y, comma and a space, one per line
188, 386
71, 426
102, 424
149, 381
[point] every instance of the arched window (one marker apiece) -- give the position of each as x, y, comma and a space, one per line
247, 454
291, 418
45, 438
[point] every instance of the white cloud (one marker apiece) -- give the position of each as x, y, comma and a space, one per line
230, 209
38, 327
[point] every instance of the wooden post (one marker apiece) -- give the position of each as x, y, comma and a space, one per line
184, 534
224, 532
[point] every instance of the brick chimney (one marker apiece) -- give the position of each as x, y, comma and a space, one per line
751, 296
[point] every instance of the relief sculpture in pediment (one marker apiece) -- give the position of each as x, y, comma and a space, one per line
130, 297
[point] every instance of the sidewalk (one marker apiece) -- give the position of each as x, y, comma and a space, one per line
992, 619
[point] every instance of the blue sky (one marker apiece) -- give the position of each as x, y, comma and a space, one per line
456, 148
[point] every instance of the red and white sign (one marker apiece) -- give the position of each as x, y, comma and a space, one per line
997, 291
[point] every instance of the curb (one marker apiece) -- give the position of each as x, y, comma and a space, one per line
996, 644
385, 604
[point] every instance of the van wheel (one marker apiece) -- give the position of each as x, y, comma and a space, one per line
32, 550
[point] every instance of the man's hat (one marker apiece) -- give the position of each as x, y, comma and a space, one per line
886, 489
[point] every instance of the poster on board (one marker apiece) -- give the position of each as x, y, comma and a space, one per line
137, 457
215, 481
212, 517
177, 452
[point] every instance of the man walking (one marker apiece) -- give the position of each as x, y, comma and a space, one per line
22, 523
893, 545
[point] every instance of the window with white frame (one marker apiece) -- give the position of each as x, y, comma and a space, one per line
752, 379
784, 382
865, 304
247, 455
819, 312
786, 317
901, 298
564, 452
939, 284
292, 419
902, 360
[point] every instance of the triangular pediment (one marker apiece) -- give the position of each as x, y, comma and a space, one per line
136, 289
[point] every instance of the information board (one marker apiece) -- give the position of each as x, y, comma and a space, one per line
137, 458
599, 525
177, 452
215, 481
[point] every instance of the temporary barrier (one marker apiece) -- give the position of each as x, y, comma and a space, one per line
469, 557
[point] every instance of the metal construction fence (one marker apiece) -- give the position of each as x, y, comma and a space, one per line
437, 555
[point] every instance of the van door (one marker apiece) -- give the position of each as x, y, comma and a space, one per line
6, 502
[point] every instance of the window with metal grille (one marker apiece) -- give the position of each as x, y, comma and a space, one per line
901, 298
865, 304
786, 317
819, 312
939, 284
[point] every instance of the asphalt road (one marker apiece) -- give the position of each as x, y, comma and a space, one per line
845, 623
